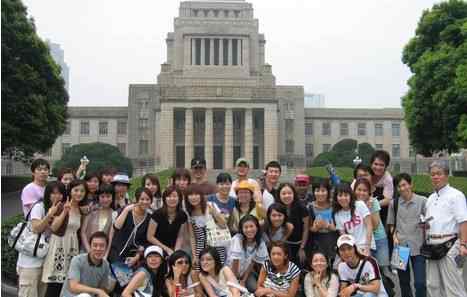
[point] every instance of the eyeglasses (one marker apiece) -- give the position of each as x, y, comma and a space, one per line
181, 262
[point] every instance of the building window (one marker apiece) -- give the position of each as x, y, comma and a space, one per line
103, 128
379, 146
396, 150
289, 127
344, 129
235, 52
122, 147
326, 129
143, 147
309, 129
197, 51
309, 150
396, 130
289, 146
326, 147
84, 128
225, 54
216, 51
207, 51
65, 147
121, 127
67, 128
378, 129
143, 123
361, 129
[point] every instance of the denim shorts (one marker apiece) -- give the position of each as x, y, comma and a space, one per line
382, 252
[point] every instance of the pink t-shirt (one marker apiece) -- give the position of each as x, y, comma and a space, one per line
30, 194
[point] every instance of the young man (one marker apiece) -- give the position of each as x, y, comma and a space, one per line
34, 191
302, 183
199, 176
89, 273
408, 233
448, 208
242, 168
271, 179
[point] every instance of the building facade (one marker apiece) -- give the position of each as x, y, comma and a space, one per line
217, 98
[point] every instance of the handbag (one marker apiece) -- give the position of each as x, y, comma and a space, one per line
23, 239
436, 251
215, 235
400, 257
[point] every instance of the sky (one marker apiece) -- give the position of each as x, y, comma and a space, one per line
350, 51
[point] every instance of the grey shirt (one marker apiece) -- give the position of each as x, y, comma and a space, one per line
86, 273
408, 216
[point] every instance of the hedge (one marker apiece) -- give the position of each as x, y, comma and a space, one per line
9, 255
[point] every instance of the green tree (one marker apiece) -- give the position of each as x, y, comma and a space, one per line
437, 96
100, 155
344, 152
33, 94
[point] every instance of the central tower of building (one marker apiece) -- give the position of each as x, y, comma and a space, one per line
215, 97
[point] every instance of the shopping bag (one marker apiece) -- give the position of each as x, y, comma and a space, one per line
400, 257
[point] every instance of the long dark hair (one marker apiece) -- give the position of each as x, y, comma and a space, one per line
195, 189
268, 224
296, 201
215, 255
158, 277
173, 258
341, 189
329, 270
167, 192
324, 183
284, 247
362, 181
259, 233
251, 206
49, 189
77, 182
154, 180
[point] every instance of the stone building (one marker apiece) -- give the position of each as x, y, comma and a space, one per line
217, 98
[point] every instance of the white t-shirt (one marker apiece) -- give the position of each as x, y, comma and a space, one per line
369, 273
268, 199
245, 256
24, 261
356, 225
448, 208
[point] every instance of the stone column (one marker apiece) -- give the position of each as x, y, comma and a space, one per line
228, 139
166, 136
202, 51
270, 133
239, 52
211, 51
230, 51
188, 136
186, 51
193, 51
221, 51
249, 135
208, 138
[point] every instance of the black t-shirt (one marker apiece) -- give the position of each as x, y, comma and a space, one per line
297, 213
167, 232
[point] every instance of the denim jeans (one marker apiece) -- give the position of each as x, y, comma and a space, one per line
419, 271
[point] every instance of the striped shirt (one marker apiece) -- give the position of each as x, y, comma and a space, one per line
280, 281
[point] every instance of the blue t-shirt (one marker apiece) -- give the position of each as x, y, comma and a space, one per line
226, 208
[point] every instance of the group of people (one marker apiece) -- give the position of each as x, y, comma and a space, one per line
244, 236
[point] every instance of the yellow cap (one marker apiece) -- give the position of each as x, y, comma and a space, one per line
245, 185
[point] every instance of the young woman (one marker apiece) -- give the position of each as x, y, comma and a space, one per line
151, 181
180, 281
199, 212
41, 215
247, 251
92, 199
222, 199
369, 283
121, 184
167, 223
149, 278
66, 176
353, 217
362, 191
322, 225
276, 227
382, 180
244, 205
279, 277
299, 218
128, 235
64, 242
181, 179
320, 281
101, 218
217, 280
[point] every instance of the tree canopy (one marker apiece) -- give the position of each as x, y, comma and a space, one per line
436, 104
344, 152
101, 155
33, 94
